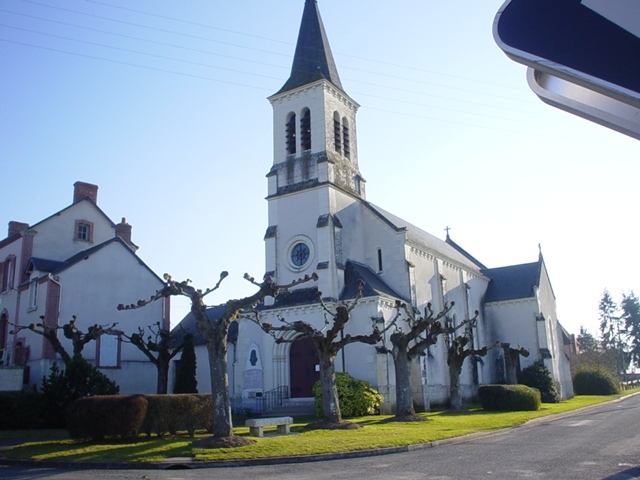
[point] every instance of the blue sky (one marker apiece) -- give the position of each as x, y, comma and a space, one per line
163, 105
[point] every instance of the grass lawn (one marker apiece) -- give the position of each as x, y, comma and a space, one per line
377, 433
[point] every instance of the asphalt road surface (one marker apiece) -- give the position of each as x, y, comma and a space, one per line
600, 443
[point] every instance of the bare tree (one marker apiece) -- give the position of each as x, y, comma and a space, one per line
327, 346
70, 330
156, 348
511, 356
458, 349
214, 333
422, 331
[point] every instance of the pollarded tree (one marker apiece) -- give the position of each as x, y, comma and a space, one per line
458, 349
156, 348
408, 343
511, 361
214, 333
70, 330
327, 346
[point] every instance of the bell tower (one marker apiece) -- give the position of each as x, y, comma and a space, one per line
315, 163
315, 137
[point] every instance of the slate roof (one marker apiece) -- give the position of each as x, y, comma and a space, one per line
55, 267
45, 265
426, 240
373, 284
189, 325
313, 59
512, 282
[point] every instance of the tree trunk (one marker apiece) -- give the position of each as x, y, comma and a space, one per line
222, 425
454, 387
330, 403
162, 385
404, 393
511, 366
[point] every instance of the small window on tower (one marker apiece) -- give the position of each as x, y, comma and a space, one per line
346, 142
379, 260
84, 231
337, 132
291, 134
305, 130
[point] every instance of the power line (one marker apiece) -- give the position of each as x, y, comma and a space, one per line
133, 64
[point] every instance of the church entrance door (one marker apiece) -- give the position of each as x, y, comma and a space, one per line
303, 368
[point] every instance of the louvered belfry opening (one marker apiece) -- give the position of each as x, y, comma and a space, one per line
305, 130
291, 134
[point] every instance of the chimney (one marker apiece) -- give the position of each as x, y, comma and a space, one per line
15, 227
82, 190
123, 230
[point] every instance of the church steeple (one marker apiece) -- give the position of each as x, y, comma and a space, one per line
313, 59
315, 141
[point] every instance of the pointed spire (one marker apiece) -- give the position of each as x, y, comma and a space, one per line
313, 59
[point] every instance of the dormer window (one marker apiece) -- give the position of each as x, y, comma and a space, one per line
84, 231
305, 130
291, 134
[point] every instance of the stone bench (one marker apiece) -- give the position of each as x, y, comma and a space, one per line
257, 424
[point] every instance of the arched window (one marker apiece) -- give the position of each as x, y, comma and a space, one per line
8, 273
346, 142
291, 133
4, 319
305, 130
337, 132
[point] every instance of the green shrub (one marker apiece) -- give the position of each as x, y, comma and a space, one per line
509, 398
186, 375
168, 414
78, 380
356, 397
595, 381
100, 417
537, 375
21, 410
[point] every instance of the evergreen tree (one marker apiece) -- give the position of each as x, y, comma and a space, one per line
630, 306
611, 325
587, 342
186, 375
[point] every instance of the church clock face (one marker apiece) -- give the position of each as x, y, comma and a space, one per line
300, 254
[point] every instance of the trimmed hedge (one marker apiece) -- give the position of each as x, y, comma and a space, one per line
100, 417
168, 414
356, 397
21, 410
509, 398
595, 381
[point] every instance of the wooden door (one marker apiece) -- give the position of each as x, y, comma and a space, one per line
303, 368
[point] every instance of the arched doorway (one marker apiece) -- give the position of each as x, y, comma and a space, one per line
304, 369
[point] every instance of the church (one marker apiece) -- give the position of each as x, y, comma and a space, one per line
320, 220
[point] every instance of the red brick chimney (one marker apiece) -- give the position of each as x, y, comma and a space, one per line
123, 230
82, 190
15, 227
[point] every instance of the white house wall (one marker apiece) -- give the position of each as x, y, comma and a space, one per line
55, 237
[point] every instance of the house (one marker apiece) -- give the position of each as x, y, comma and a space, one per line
320, 220
76, 262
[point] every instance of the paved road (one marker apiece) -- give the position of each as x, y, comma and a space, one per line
601, 443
